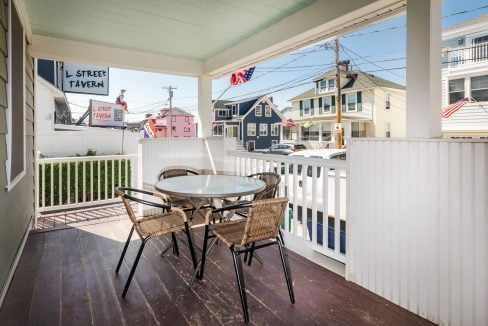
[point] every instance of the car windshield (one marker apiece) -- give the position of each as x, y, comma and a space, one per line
338, 156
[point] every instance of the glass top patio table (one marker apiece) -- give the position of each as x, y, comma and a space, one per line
210, 186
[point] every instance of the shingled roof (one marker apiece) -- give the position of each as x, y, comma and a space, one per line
176, 111
361, 80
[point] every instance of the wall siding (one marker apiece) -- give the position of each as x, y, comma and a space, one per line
17, 205
418, 225
261, 142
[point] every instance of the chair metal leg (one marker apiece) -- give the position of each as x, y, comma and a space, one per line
204, 254
190, 244
251, 253
133, 269
282, 239
176, 251
240, 284
124, 250
286, 269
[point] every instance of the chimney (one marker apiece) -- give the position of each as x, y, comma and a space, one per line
148, 115
270, 99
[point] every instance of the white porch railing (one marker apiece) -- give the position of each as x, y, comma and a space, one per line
468, 55
70, 182
313, 186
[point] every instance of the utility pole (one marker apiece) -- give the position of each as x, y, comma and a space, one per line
170, 89
338, 126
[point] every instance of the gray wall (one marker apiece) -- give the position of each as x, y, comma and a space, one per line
17, 205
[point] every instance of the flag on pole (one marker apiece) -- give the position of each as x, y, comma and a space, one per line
288, 123
241, 77
308, 124
150, 129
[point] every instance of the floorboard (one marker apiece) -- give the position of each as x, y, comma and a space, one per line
67, 277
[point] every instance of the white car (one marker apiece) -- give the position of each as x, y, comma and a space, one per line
328, 154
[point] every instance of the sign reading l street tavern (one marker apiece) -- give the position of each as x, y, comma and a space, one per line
85, 79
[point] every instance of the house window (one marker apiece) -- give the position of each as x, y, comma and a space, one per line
387, 129
358, 129
287, 133
327, 104
479, 88
234, 109
259, 110
387, 101
275, 130
16, 135
351, 102
186, 129
326, 133
174, 118
251, 129
326, 85
310, 133
187, 119
267, 111
307, 104
456, 90
263, 129
218, 129
274, 142
222, 113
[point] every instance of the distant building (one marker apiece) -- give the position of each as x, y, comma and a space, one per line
465, 76
183, 123
371, 107
254, 122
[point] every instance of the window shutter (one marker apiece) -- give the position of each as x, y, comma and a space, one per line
320, 105
343, 102
332, 109
311, 106
359, 102
301, 108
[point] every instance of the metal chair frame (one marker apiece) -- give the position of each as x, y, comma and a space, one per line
121, 191
236, 252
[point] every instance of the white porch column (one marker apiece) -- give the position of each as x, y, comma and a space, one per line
424, 68
205, 106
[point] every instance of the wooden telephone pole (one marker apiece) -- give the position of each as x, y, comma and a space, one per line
338, 126
170, 93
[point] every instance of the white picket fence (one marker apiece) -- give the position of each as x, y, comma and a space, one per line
71, 182
313, 186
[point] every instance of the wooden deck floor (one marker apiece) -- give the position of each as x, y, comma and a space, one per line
66, 277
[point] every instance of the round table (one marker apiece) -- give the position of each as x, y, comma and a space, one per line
210, 186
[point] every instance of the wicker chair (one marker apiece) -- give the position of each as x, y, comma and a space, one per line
166, 220
193, 203
247, 235
272, 181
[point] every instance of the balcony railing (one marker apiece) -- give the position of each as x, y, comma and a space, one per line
316, 189
471, 55
71, 182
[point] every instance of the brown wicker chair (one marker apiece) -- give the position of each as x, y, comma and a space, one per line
247, 235
166, 220
193, 203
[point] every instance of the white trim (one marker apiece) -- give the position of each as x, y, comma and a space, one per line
275, 125
265, 131
66, 50
24, 17
260, 110
347, 102
8, 137
15, 263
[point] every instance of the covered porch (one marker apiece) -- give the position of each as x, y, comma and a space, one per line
445, 284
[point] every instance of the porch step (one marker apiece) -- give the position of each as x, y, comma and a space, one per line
240, 146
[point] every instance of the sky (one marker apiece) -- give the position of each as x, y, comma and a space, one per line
284, 77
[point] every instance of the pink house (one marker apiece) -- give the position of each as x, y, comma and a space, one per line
183, 123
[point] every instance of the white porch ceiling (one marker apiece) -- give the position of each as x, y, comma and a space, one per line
187, 37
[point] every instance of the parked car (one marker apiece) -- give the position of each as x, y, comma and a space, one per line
328, 154
285, 149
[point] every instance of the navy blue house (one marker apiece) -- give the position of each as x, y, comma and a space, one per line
255, 122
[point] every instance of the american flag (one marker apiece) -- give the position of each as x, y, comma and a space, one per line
453, 108
241, 77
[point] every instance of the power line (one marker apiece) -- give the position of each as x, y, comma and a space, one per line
404, 25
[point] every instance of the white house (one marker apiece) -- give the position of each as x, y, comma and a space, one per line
371, 107
465, 75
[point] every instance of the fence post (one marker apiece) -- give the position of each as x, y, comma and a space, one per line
36, 190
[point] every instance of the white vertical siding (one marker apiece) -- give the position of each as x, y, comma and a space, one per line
418, 225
